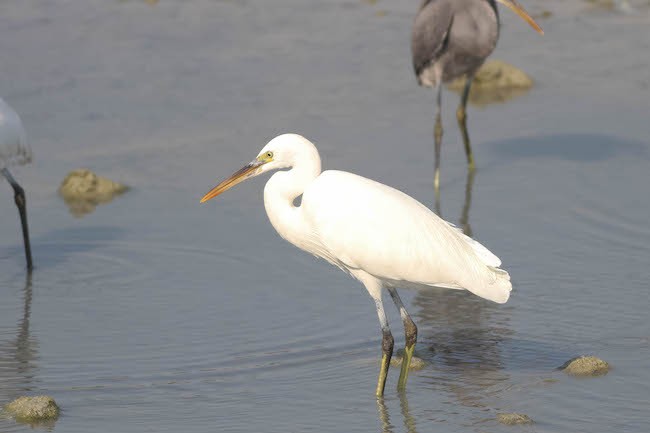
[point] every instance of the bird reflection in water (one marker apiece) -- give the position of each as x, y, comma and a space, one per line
464, 216
465, 339
384, 416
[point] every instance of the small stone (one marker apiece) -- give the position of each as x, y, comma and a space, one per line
585, 366
83, 190
514, 418
416, 362
33, 409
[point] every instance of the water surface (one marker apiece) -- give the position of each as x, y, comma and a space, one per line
155, 313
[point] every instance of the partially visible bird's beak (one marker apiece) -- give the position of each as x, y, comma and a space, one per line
514, 6
249, 170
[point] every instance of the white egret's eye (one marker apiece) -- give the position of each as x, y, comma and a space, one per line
269, 155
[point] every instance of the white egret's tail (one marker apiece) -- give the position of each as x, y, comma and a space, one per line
499, 291
497, 286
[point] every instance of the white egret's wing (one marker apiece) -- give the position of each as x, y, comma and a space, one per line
367, 225
486, 255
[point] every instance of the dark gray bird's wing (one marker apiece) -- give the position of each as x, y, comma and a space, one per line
430, 33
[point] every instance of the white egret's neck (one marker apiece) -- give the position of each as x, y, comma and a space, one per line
284, 187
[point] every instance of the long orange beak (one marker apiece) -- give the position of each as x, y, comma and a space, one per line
514, 6
239, 176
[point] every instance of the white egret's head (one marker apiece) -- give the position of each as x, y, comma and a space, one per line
281, 152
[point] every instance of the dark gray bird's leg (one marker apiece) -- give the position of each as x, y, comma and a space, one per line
387, 342
19, 198
461, 115
437, 140
411, 333
464, 218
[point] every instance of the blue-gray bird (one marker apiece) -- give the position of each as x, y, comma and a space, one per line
15, 151
452, 38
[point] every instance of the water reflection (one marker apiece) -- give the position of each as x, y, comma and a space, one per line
467, 203
464, 336
464, 216
578, 147
384, 416
17, 355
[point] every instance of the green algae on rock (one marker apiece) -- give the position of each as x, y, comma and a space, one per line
495, 81
585, 366
83, 190
514, 418
33, 409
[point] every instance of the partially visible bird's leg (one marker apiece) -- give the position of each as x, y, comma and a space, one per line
461, 115
411, 333
21, 202
464, 217
437, 140
387, 342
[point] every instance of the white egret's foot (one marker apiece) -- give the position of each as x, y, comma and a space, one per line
387, 353
383, 373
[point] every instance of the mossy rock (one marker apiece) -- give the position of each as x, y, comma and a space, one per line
495, 81
416, 362
585, 366
514, 418
33, 409
83, 190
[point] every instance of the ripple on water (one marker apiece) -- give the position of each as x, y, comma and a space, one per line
125, 325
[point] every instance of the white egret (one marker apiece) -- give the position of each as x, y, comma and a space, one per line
379, 235
15, 151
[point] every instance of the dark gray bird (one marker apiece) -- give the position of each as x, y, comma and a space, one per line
15, 151
451, 38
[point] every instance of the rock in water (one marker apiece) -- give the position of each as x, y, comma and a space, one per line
495, 81
416, 363
83, 190
585, 366
33, 409
514, 418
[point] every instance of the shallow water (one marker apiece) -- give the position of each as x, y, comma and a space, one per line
155, 313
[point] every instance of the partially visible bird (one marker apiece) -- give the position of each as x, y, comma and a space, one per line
379, 235
452, 38
14, 150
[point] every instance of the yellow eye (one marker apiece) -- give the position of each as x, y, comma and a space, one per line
269, 155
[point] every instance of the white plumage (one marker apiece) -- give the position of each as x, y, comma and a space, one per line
378, 234
371, 227
14, 149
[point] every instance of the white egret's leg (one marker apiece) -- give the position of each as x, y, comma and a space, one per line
411, 333
437, 140
373, 286
21, 203
387, 342
461, 116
